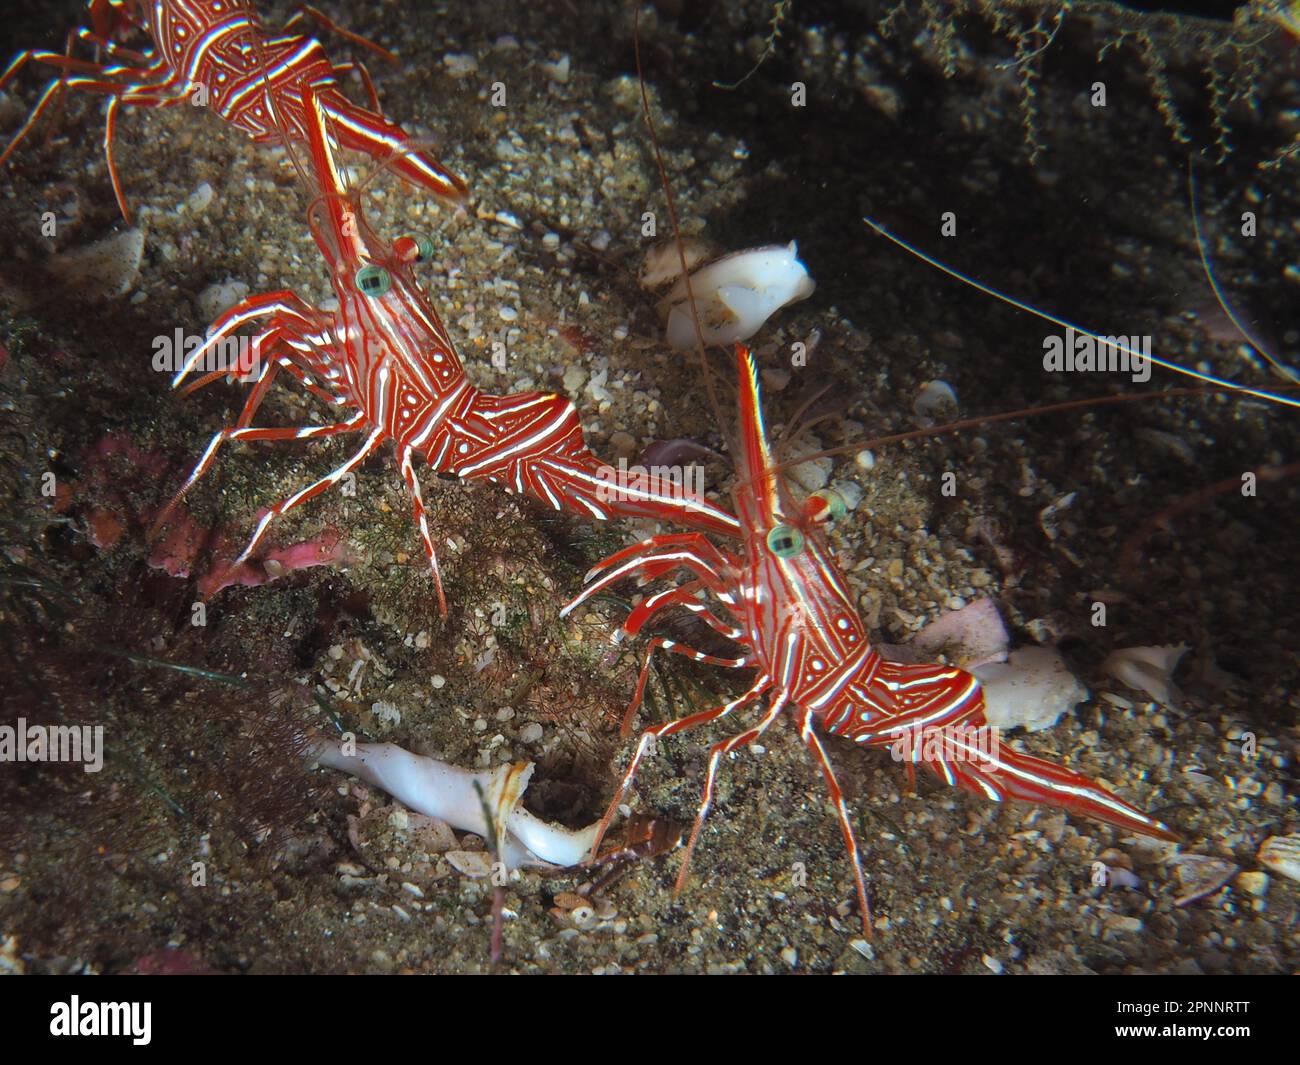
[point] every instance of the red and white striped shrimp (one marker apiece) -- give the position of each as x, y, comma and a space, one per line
783, 600
385, 356
216, 52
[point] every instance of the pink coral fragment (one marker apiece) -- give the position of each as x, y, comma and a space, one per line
971, 637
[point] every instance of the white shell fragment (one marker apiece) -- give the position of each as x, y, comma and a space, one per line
460, 64
811, 475
736, 294
558, 71
219, 297
458, 796
1049, 516
1031, 690
1148, 669
1119, 877
200, 199
663, 263
103, 270
475, 864
1282, 855
1199, 875
935, 402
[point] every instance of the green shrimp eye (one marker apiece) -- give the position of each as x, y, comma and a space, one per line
827, 506
413, 248
373, 280
785, 541
423, 247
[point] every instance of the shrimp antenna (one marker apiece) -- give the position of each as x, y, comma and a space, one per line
1005, 416
1064, 323
286, 139
1227, 307
672, 213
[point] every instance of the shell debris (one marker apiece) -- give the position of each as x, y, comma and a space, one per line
1282, 855
1199, 875
935, 402
1032, 690
104, 270
1148, 669
736, 294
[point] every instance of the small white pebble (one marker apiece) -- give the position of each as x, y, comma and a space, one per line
559, 70
220, 297
438, 681
200, 198
850, 492
935, 401
387, 712
459, 64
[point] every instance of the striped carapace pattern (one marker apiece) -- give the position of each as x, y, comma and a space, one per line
215, 53
382, 360
384, 355
785, 603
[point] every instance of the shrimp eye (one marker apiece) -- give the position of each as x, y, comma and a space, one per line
414, 248
785, 541
826, 506
423, 248
373, 280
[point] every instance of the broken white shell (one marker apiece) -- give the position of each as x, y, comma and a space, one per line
219, 297
663, 263
934, 402
474, 864
1282, 855
1200, 875
103, 270
459, 796
736, 294
1031, 690
1148, 669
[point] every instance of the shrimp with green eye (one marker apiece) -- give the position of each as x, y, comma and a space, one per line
217, 53
784, 602
385, 358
